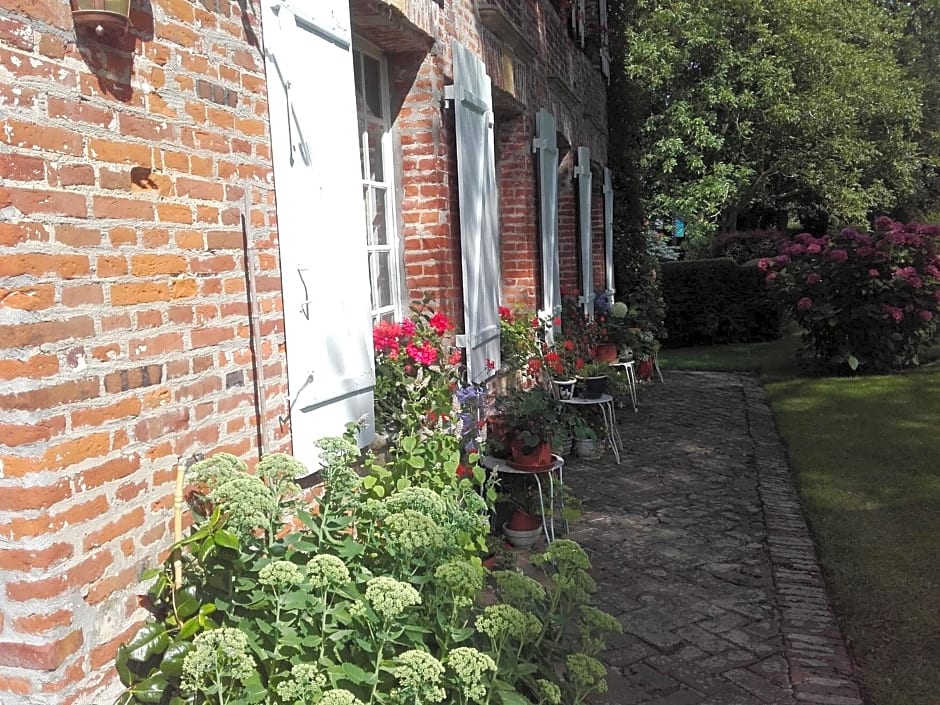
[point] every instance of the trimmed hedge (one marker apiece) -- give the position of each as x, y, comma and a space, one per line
712, 301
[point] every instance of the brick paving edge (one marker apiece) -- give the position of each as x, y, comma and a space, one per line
821, 670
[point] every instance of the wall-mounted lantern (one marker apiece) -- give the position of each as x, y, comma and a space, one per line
101, 17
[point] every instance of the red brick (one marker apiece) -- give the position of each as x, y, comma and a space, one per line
18, 499
76, 175
112, 470
158, 426
42, 657
100, 415
25, 560
139, 293
19, 167
40, 623
30, 201
12, 234
134, 378
51, 396
31, 298
45, 138
81, 111
82, 295
149, 265
26, 334
76, 236
124, 208
37, 263
127, 522
117, 152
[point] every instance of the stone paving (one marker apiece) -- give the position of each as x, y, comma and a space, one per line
700, 549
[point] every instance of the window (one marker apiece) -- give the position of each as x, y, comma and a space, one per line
375, 150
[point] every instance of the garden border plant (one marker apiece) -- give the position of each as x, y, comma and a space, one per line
368, 599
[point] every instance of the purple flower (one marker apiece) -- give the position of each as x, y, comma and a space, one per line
883, 222
804, 304
813, 279
763, 264
795, 249
926, 316
782, 260
770, 276
813, 249
874, 273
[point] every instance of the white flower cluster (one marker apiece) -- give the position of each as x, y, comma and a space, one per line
518, 589
470, 667
419, 675
339, 697
462, 579
248, 504
411, 532
390, 597
280, 575
548, 693
325, 570
504, 621
306, 682
586, 673
218, 652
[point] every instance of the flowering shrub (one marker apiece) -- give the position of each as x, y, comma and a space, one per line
519, 337
416, 371
367, 601
869, 300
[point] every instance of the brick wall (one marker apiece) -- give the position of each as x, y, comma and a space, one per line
124, 310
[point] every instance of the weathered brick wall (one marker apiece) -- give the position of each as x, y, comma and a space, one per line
123, 311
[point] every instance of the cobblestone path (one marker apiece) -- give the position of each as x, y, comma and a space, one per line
700, 549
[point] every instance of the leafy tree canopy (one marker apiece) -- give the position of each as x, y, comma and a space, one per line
770, 104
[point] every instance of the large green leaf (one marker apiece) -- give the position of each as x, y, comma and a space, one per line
172, 664
151, 690
150, 640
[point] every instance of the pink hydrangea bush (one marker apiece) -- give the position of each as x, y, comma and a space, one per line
866, 300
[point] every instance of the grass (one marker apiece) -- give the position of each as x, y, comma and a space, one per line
866, 453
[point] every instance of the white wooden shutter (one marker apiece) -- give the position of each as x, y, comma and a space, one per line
583, 172
320, 213
609, 231
479, 219
546, 147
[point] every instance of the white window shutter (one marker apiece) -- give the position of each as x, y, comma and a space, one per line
545, 145
324, 269
479, 218
583, 172
609, 231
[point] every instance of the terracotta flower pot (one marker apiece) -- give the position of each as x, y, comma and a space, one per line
523, 521
644, 369
605, 352
539, 458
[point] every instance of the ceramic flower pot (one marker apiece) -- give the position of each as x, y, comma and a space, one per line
522, 539
563, 388
586, 448
594, 387
523, 521
644, 369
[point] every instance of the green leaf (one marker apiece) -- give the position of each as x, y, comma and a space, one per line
226, 539
151, 690
190, 627
254, 689
187, 603
172, 664
120, 663
149, 641
416, 462
509, 696
357, 674
149, 574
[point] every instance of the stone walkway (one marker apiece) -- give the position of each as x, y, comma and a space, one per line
700, 549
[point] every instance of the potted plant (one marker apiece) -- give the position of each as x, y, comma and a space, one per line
594, 377
526, 523
533, 420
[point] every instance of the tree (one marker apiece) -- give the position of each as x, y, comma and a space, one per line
769, 104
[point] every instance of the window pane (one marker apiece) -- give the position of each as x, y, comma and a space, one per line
374, 138
381, 276
378, 232
373, 85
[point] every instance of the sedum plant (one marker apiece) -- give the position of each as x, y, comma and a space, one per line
364, 599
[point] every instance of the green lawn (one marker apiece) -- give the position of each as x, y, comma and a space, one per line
866, 452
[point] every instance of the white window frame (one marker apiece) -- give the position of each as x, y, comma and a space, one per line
394, 310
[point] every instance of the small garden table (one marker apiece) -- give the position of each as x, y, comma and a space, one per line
606, 404
501, 466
